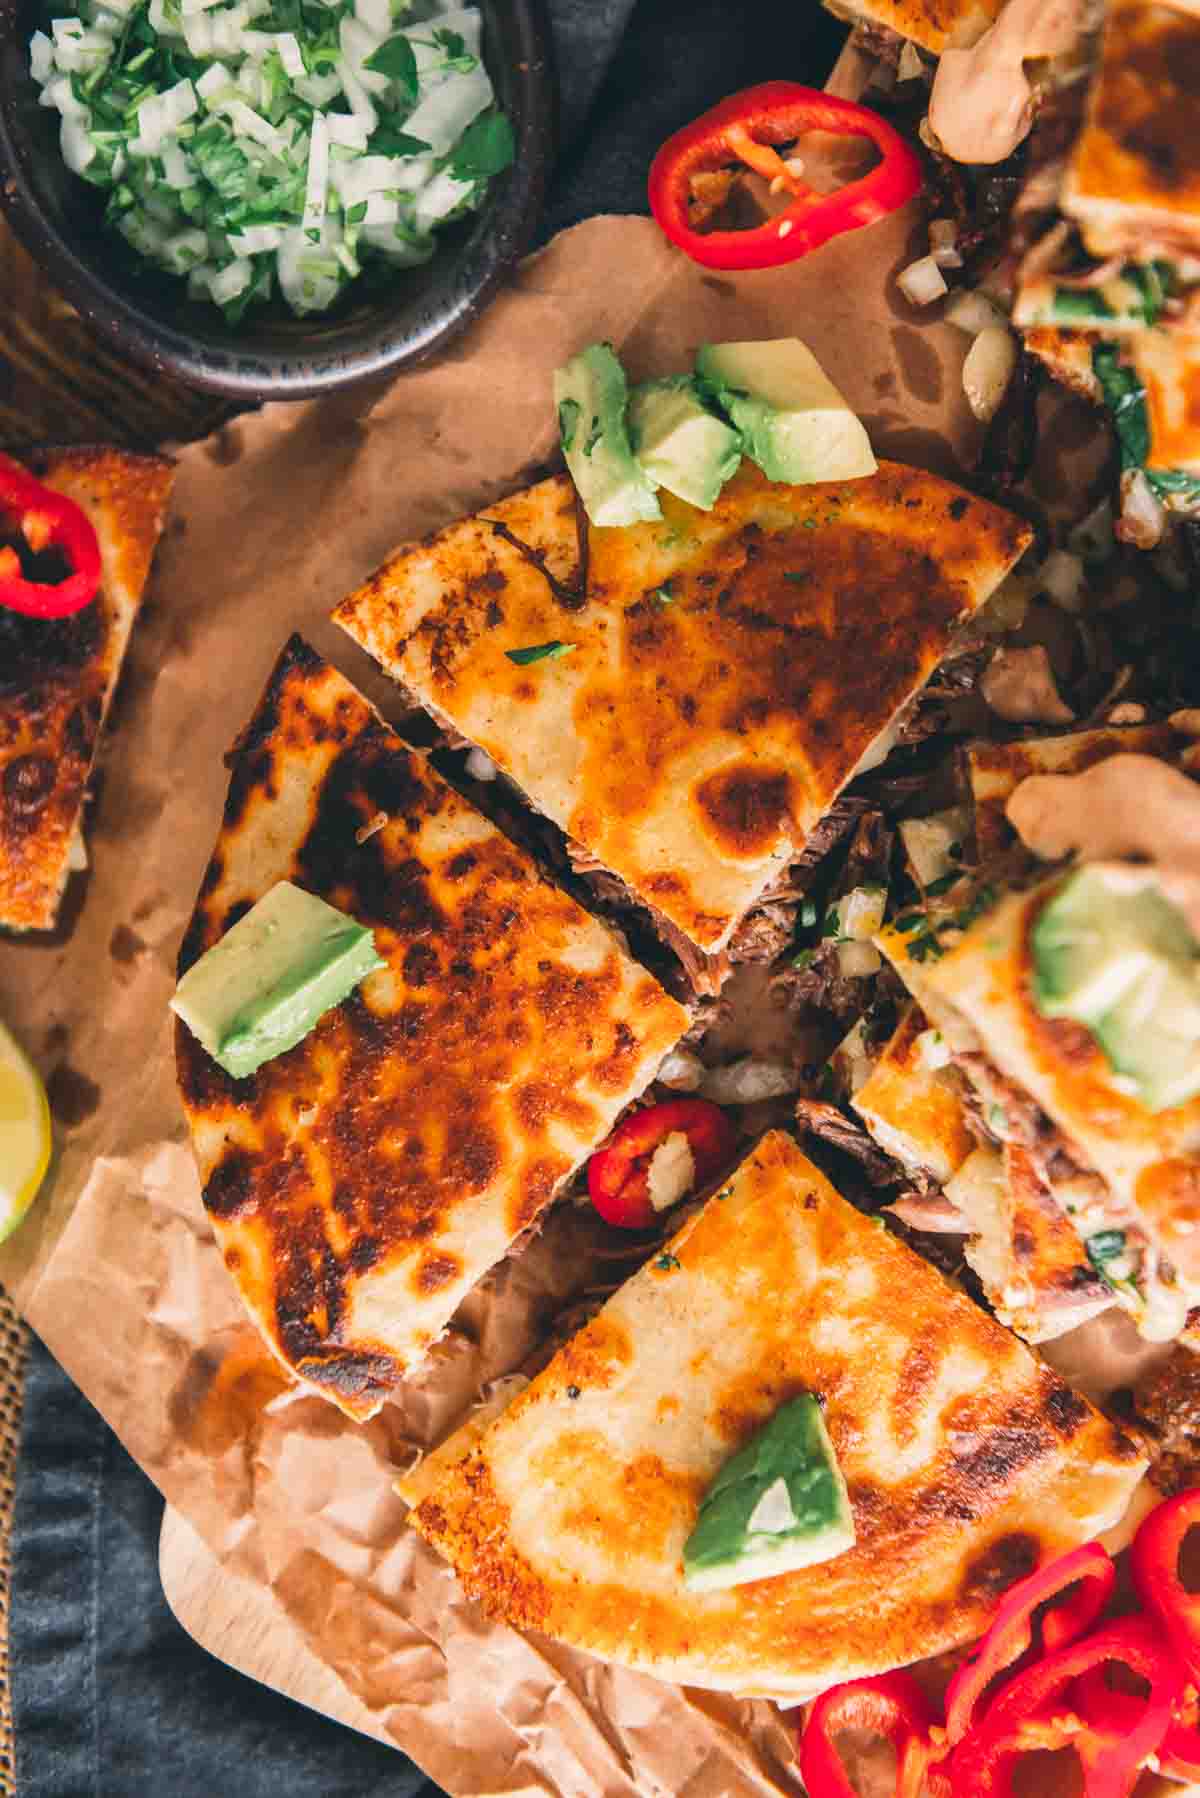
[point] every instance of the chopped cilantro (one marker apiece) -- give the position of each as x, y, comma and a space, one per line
955, 852
804, 959
663, 596
1105, 1246
809, 913
397, 60
910, 920
799, 575
925, 947
486, 148
540, 652
666, 1262
936, 888
573, 1392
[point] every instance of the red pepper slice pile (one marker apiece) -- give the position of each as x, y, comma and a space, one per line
1019, 1694
618, 1175
1006, 1646
46, 520
746, 128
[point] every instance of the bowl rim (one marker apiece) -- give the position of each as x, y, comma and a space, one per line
505, 226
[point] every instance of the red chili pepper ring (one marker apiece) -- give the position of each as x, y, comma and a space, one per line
747, 128
46, 520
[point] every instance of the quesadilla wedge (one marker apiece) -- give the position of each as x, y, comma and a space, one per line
690, 718
967, 1462
1132, 179
1127, 1175
57, 678
935, 25
360, 1183
996, 770
1018, 1238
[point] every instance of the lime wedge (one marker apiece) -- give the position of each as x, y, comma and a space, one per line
25, 1137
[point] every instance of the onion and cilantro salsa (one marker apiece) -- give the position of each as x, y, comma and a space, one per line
263, 146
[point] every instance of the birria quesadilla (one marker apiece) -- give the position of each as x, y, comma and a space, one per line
965, 1460
1099, 1118
690, 713
57, 677
360, 1183
936, 25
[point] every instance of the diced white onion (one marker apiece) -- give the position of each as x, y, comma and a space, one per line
988, 369
346, 130
681, 1071
185, 249
972, 312
382, 209
480, 765
232, 280
1062, 578
319, 90
375, 15
857, 960
189, 8
748, 1080
931, 1051
252, 124
439, 198
41, 57
77, 147
922, 282
213, 83
357, 45
160, 116
910, 65
356, 93
1142, 516
252, 240
443, 114
290, 53
177, 171
318, 173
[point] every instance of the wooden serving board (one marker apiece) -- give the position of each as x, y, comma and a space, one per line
245, 1626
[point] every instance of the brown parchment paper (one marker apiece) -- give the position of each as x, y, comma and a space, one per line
274, 519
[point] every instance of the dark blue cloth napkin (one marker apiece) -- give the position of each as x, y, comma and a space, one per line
111, 1698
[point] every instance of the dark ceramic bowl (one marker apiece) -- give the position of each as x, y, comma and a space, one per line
271, 354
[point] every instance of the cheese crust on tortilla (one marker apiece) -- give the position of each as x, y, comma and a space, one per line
936, 25
967, 1461
725, 675
1133, 176
1168, 366
914, 1111
360, 1184
996, 770
57, 678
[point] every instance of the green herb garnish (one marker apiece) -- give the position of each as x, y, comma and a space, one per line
540, 652
486, 148
568, 419
397, 60
666, 1262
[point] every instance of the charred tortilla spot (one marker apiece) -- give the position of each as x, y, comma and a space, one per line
436, 1271
362, 1378
595, 1357
27, 784
744, 808
421, 964
1007, 1560
958, 507
616, 1069
1066, 1410
916, 1375
230, 1186
459, 866
535, 1189
473, 1154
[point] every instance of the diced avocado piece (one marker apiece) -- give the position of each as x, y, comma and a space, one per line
263, 987
779, 1504
681, 444
1111, 952
590, 393
794, 422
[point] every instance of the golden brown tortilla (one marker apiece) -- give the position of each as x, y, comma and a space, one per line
57, 678
360, 1184
727, 671
968, 1462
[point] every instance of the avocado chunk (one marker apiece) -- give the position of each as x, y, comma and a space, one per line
779, 1504
272, 977
794, 422
1113, 953
681, 444
590, 393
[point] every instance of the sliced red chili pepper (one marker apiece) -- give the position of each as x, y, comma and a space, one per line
618, 1175
1008, 1641
1178, 1755
1154, 1563
746, 128
1035, 1712
892, 1706
46, 520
